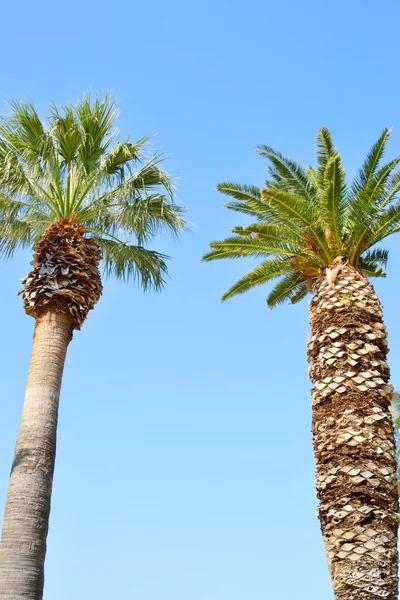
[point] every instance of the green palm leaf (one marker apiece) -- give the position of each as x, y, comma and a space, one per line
72, 166
272, 232
325, 151
240, 247
378, 255
129, 262
266, 271
371, 163
333, 199
287, 288
242, 193
304, 219
287, 173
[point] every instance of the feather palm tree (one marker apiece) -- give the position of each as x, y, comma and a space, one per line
81, 198
395, 410
315, 232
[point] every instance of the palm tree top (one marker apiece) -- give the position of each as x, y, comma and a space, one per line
72, 167
306, 219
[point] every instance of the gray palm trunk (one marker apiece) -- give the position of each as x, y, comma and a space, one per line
62, 287
26, 519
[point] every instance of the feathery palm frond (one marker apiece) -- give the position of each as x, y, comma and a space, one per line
289, 287
287, 174
325, 151
305, 219
332, 200
71, 166
372, 161
266, 271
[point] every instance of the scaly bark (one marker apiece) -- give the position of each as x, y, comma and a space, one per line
353, 436
65, 275
60, 290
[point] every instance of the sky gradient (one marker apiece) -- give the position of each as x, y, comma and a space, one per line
184, 466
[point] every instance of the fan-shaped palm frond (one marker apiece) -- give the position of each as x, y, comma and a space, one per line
126, 262
306, 218
71, 166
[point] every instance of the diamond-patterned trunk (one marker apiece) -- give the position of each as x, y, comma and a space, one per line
353, 436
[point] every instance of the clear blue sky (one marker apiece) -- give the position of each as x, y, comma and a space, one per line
185, 467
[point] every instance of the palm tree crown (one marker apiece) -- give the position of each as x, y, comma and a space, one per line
72, 168
306, 219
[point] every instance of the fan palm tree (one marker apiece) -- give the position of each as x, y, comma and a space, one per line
80, 197
315, 232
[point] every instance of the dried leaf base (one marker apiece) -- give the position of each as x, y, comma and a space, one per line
65, 275
353, 437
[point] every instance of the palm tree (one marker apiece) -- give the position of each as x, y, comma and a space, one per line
315, 232
80, 197
395, 410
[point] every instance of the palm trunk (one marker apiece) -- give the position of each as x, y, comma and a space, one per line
23, 543
353, 437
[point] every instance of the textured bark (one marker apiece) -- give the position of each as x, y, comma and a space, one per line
353, 437
65, 275
23, 543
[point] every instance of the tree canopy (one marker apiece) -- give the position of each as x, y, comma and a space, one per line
305, 219
72, 165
